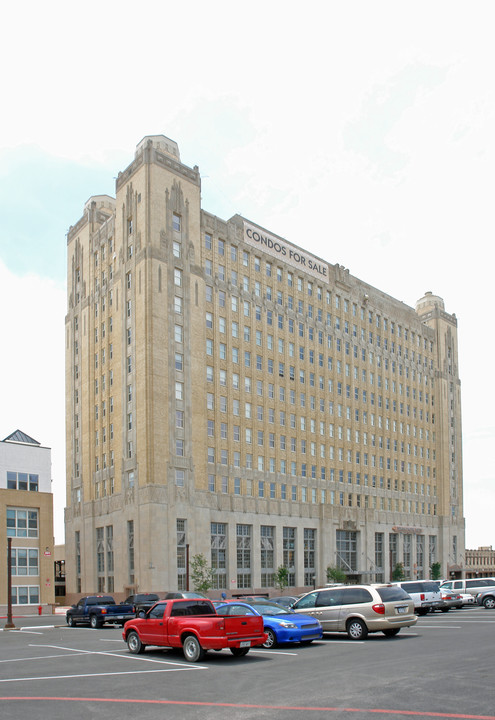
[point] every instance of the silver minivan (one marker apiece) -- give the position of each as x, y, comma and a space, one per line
359, 609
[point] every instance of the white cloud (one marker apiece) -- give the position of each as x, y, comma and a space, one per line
32, 369
361, 131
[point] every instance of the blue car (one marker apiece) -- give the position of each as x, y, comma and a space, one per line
281, 625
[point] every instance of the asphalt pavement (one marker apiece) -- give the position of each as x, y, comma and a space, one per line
442, 667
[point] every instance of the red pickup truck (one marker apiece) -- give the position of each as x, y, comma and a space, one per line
193, 625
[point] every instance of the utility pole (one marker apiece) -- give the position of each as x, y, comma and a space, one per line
9, 624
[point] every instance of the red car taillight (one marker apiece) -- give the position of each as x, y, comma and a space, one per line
103, 611
422, 596
379, 608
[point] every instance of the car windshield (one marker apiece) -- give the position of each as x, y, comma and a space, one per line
271, 609
149, 596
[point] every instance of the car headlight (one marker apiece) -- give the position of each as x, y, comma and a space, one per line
288, 624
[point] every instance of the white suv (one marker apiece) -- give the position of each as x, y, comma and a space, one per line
425, 595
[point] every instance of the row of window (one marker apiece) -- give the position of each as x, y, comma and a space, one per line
286, 467
338, 432
327, 407
277, 549
314, 335
303, 286
22, 481
297, 493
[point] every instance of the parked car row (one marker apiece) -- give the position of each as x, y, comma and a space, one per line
197, 624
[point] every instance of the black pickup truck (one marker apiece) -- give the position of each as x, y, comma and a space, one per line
142, 601
97, 610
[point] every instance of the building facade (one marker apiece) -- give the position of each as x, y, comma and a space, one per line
231, 394
480, 562
26, 503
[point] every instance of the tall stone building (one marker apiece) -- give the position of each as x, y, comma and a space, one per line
231, 394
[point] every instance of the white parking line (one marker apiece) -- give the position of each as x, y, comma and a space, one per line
127, 656
351, 643
478, 620
42, 657
271, 652
440, 627
99, 674
37, 627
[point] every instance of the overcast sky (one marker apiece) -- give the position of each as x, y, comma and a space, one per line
361, 131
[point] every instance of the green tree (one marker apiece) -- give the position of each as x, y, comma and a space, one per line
281, 578
436, 571
202, 575
398, 572
336, 575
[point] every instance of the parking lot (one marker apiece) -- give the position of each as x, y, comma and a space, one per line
443, 667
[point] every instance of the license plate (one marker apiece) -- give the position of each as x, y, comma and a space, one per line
401, 609
245, 643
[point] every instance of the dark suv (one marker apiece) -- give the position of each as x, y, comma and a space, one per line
142, 601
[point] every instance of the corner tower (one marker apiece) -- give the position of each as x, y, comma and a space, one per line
447, 420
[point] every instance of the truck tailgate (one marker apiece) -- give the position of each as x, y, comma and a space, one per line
244, 627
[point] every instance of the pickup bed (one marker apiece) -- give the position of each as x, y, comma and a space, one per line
97, 610
193, 625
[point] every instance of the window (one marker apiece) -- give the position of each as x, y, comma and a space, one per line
309, 555
267, 558
22, 481
243, 547
22, 523
289, 553
218, 539
25, 595
176, 222
25, 561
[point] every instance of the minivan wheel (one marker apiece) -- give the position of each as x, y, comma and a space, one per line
356, 629
391, 632
489, 603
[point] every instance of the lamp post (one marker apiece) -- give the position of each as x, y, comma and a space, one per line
9, 624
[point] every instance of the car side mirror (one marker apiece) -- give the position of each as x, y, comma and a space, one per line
141, 614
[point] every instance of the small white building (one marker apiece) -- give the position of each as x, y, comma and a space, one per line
26, 503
